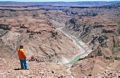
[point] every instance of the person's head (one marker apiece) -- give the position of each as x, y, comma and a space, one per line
21, 46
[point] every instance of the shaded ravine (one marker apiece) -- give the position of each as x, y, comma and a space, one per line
84, 50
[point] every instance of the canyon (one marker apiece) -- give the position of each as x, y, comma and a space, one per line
60, 41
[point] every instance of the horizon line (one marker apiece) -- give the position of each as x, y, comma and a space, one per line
61, 1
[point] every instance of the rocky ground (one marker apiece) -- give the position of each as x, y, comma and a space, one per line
11, 69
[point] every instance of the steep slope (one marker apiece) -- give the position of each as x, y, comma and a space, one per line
45, 47
101, 33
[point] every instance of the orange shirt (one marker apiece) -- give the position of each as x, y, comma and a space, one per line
21, 54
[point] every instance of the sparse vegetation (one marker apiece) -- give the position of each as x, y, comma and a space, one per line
109, 58
117, 58
118, 30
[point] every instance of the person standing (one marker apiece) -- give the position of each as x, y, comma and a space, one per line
22, 58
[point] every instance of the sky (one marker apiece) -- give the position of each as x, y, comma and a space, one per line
55, 0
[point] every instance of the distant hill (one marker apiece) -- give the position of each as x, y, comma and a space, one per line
114, 5
93, 3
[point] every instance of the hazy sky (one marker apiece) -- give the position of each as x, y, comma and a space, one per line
55, 0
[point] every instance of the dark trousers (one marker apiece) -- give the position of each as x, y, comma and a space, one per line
23, 64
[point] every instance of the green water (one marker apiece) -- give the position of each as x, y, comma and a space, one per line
74, 60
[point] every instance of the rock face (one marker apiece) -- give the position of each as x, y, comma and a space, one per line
39, 38
100, 32
42, 43
95, 68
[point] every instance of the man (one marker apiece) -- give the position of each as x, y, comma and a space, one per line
22, 58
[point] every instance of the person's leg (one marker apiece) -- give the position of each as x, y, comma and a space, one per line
25, 64
22, 64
